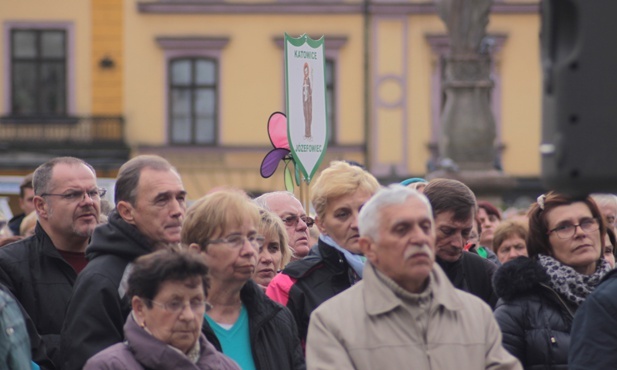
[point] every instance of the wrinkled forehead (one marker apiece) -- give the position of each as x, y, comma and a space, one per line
412, 209
608, 209
282, 204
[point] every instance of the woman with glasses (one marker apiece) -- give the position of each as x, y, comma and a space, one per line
539, 295
335, 263
168, 293
244, 324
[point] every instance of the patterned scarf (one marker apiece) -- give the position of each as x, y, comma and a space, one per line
569, 283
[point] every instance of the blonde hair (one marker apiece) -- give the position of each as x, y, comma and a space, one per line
338, 180
28, 223
212, 214
271, 224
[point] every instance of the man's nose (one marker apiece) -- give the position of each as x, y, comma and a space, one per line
301, 225
177, 208
457, 240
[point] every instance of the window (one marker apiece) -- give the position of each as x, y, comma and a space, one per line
38, 72
193, 100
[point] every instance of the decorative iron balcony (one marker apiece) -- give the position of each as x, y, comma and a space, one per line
69, 132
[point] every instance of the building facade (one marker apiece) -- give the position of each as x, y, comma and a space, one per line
196, 82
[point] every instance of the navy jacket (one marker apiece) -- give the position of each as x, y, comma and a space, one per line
594, 331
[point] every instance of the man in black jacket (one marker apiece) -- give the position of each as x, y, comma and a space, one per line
150, 206
454, 208
40, 270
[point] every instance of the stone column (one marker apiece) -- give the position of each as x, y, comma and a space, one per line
467, 143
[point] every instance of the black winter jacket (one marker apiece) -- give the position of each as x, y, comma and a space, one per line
272, 330
99, 308
594, 331
534, 319
42, 281
311, 281
472, 274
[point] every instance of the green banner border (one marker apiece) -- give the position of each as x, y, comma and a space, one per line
314, 44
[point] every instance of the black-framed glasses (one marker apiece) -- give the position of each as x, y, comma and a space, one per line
292, 220
79, 195
567, 231
236, 241
178, 306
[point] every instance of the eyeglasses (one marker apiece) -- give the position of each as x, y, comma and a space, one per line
237, 241
178, 306
292, 220
568, 231
79, 195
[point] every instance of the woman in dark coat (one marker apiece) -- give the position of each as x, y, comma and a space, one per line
243, 323
539, 295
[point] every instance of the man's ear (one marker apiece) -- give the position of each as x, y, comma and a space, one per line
41, 207
125, 210
320, 225
368, 248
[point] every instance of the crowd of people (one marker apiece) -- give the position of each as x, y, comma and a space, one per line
419, 274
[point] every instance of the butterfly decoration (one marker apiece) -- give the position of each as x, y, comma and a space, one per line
277, 132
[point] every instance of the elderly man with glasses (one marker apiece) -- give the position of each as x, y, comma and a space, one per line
297, 223
40, 271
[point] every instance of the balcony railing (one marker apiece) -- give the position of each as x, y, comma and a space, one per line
97, 131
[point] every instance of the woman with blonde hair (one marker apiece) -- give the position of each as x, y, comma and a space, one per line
335, 263
274, 254
243, 323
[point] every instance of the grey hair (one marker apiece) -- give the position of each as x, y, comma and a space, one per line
41, 179
369, 220
130, 172
605, 199
262, 200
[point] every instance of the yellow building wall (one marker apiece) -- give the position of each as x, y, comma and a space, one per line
251, 72
419, 85
107, 42
521, 93
76, 12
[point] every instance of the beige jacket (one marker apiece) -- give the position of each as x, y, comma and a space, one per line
369, 327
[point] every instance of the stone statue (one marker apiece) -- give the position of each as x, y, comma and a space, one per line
468, 136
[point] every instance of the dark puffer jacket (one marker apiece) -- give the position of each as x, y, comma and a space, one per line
272, 331
305, 284
535, 320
